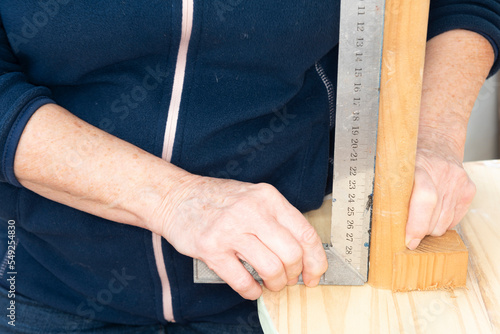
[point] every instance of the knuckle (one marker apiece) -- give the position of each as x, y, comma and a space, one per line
205, 248
272, 270
209, 246
243, 283
427, 195
425, 188
321, 270
316, 264
267, 189
438, 231
309, 236
293, 256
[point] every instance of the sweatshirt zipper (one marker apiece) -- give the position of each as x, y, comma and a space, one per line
330, 90
168, 144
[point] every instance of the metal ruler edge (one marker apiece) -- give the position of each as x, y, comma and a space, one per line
358, 92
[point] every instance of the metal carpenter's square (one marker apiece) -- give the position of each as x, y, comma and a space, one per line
358, 90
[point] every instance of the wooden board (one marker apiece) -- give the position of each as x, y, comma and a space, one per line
336, 309
405, 31
480, 230
437, 263
364, 309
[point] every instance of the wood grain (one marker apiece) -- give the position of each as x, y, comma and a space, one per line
405, 32
438, 262
365, 309
481, 232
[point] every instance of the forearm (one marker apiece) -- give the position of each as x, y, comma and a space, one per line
457, 64
219, 221
71, 162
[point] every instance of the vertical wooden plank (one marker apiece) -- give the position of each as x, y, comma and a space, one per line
405, 33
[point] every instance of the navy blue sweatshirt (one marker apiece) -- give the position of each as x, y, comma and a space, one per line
253, 101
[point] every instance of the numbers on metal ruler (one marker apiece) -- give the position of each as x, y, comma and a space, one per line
360, 45
356, 127
350, 224
361, 9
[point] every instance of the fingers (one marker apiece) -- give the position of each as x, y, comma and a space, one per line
257, 224
446, 216
314, 258
264, 261
269, 266
421, 215
232, 271
437, 206
284, 247
295, 242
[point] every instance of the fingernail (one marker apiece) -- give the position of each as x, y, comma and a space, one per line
413, 244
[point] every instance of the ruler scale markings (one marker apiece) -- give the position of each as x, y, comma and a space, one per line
360, 52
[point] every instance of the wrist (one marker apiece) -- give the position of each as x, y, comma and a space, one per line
449, 138
436, 143
163, 194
